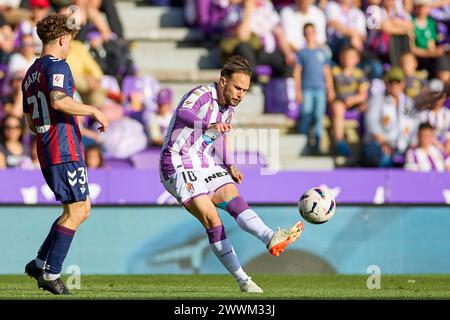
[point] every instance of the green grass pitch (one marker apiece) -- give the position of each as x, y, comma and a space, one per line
224, 287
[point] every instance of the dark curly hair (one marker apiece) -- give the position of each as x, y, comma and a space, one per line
54, 26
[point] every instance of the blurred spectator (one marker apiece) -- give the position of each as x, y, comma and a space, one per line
124, 138
87, 74
390, 123
159, 122
39, 9
432, 57
22, 60
441, 14
12, 152
416, 80
391, 39
294, 17
438, 117
255, 32
206, 14
316, 82
351, 87
91, 16
425, 156
112, 56
109, 9
93, 156
11, 95
12, 13
346, 26
6, 44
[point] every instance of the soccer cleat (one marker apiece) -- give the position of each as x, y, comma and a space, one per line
56, 286
284, 237
250, 286
32, 270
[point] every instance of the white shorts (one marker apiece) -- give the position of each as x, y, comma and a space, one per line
189, 184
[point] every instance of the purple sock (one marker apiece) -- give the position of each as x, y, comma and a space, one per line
224, 251
45, 247
236, 206
216, 234
58, 251
248, 220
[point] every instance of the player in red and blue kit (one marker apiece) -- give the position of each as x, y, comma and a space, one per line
51, 112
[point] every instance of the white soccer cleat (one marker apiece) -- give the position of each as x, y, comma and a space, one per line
250, 286
284, 237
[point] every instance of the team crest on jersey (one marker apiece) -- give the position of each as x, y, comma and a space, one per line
58, 80
190, 187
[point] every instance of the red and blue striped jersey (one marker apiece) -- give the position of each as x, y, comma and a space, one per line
59, 137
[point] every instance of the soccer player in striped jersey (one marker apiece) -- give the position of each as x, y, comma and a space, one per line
196, 169
51, 112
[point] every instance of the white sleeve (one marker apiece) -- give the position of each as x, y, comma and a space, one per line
360, 23
291, 27
320, 22
332, 11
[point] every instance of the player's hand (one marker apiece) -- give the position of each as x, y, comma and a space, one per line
236, 174
220, 126
101, 118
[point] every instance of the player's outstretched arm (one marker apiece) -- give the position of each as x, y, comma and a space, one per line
63, 103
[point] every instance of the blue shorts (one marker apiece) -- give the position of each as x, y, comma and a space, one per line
68, 181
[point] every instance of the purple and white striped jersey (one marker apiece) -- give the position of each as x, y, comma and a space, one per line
185, 145
439, 120
433, 159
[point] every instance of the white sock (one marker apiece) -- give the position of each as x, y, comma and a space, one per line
249, 221
39, 263
50, 276
227, 256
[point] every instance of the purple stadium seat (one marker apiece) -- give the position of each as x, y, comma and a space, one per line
147, 159
279, 97
353, 114
114, 163
263, 70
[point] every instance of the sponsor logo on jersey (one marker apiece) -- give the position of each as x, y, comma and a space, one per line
215, 175
58, 80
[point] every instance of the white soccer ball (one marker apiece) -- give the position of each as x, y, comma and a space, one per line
317, 205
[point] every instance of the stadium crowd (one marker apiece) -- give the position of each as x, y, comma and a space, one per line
348, 60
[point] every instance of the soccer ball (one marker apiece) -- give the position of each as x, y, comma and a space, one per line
317, 205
